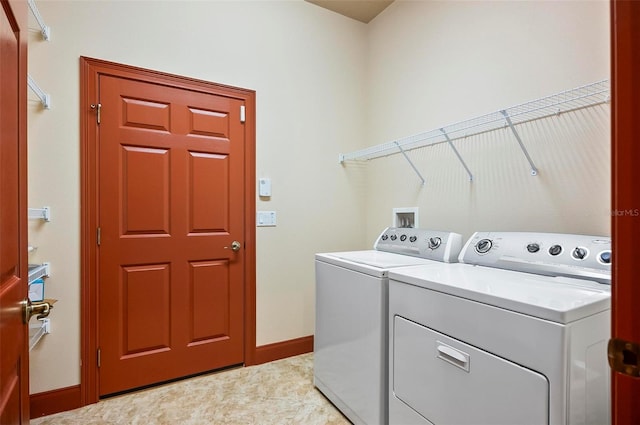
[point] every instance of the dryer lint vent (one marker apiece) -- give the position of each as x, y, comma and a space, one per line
405, 217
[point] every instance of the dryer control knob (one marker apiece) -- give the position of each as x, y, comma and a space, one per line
555, 250
403, 238
394, 237
483, 246
605, 257
434, 243
533, 248
413, 238
579, 253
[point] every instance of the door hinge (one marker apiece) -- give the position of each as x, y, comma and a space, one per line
242, 114
98, 108
98, 235
98, 357
624, 357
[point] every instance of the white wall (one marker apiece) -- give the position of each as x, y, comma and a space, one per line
327, 84
305, 64
433, 63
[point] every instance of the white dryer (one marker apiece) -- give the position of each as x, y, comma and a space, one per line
351, 335
518, 335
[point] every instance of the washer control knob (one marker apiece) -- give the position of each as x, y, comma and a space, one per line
394, 237
413, 238
385, 237
533, 248
434, 243
403, 238
483, 246
579, 253
555, 250
605, 257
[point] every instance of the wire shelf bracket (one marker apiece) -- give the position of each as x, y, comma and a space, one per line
410, 162
534, 170
45, 29
446, 136
45, 98
581, 97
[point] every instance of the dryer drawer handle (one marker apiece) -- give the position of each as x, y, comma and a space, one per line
453, 356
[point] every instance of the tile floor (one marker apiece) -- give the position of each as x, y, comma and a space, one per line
279, 392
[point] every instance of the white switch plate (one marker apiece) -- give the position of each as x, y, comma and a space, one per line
266, 218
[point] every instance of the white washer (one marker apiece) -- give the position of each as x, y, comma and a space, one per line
516, 336
351, 335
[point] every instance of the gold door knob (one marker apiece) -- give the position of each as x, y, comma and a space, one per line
235, 246
39, 309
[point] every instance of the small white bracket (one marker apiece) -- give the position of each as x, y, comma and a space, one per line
43, 213
446, 136
534, 170
410, 162
38, 330
45, 29
45, 98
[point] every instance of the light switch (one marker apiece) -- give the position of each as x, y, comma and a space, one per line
264, 186
266, 218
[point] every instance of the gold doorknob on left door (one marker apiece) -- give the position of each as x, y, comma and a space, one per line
40, 309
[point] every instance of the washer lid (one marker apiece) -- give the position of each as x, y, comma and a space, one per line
371, 261
558, 299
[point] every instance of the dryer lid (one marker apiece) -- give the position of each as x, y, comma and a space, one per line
558, 299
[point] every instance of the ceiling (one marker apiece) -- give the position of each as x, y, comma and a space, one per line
361, 10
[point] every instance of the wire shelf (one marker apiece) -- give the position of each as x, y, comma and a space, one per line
37, 271
43, 213
566, 101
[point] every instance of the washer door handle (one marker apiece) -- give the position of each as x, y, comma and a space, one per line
453, 356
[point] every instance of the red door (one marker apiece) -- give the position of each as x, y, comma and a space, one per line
625, 125
14, 352
171, 218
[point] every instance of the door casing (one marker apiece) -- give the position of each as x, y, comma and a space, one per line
90, 70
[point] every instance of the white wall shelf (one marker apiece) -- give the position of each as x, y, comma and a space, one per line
37, 271
566, 101
37, 330
43, 213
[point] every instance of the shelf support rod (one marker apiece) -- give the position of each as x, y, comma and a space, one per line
44, 97
446, 136
410, 162
46, 30
534, 170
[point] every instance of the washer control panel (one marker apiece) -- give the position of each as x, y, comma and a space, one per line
430, 244
551, 254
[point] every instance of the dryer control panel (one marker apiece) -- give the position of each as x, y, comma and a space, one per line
550, 254
430, 244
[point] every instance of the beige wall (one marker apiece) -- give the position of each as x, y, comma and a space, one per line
305, 64
435, 63
327, 84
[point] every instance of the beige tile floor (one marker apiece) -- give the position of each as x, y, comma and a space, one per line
279, 392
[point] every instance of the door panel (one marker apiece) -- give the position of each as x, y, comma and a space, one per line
14, 353
171, 201
625, 126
